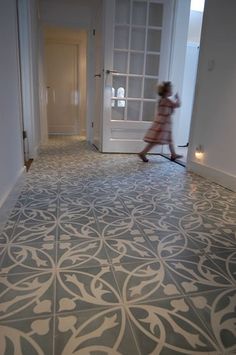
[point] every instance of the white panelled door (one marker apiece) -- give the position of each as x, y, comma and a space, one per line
137, 56
62, 88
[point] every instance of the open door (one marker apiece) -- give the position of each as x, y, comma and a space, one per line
137, 42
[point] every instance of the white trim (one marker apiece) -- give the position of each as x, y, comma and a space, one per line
220, 177
27, 72
10, 197
12, 187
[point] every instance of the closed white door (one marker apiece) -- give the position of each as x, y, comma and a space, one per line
137, 52
62, 88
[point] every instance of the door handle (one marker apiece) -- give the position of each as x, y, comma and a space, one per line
108, 71
97, 75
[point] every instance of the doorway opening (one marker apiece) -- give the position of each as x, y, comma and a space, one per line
65, 68
189, 79
182, 129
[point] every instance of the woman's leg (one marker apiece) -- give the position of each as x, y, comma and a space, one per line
174, 155
142, 154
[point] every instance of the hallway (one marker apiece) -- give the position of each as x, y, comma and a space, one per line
104, 254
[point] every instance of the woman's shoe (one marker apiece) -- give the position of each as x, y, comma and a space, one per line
175, 156
143, 157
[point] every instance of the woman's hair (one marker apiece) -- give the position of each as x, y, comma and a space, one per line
163, 88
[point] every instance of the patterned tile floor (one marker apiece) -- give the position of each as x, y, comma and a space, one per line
104, 254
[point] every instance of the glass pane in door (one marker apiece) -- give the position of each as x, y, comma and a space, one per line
133, 111
135, 87
117, 113
136, 63
148, 111
152, 64
122, 12
154, 40
119, 82
138, 39
120, 60
121, 40
150, 88
155, 14
139, 13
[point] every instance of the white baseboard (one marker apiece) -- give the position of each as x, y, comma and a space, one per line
8, 200
220, 177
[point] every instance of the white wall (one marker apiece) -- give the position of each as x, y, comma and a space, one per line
213, 121
73, 13
11, 150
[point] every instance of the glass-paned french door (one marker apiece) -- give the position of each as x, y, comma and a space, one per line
137, 57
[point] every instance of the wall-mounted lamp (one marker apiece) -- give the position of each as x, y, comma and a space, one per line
199, 152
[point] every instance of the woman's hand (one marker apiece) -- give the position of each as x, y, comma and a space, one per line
177, 100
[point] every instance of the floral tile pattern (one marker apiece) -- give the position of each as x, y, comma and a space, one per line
103, 254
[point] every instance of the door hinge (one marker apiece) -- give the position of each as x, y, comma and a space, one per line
24, 134
94, 32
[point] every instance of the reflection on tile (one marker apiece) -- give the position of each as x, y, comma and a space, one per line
105, 255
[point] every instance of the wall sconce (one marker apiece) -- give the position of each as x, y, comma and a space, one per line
199, 152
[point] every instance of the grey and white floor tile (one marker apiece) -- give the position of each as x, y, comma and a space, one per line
103, 254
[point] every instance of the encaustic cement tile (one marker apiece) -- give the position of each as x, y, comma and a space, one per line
197, 274
104, 331
27, 336
170, 327
26, 295
33, 257
86, 288
140, 282
82, 253
217, 310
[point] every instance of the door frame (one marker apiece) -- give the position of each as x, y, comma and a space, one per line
63, 35
27, 77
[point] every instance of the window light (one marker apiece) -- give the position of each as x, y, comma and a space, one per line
197, 5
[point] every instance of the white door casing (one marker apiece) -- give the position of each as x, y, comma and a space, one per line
137, 43
98, 80
62, 88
